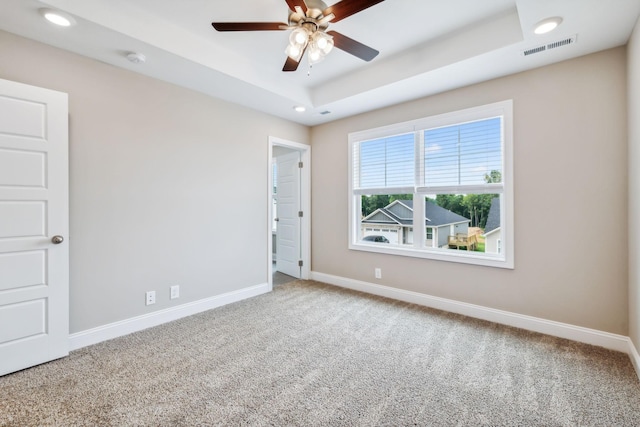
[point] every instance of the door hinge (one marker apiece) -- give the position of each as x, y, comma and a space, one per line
300, 214
300, 263
300, 165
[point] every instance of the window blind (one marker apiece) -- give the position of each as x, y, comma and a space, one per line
463, 154
385, 163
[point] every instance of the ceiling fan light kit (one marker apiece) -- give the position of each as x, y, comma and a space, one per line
308, 22
309, 33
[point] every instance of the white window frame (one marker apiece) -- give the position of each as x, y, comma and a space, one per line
505, 259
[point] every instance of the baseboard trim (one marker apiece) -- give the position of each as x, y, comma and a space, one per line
535, 324
138, 323
635, 357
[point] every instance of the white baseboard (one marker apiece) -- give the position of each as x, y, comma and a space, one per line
635, 357
138, 323
548, 327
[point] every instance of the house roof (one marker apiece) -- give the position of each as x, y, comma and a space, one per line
493, 220
436, 216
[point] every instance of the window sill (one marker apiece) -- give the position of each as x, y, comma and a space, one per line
461, 256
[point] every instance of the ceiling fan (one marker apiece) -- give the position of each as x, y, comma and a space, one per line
309, 20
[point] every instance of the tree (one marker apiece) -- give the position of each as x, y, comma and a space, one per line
452, 202
478, 206
493, 177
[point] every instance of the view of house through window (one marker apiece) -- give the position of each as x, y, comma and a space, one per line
452, 221
438, 189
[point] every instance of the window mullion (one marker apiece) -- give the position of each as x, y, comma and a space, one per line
419, 228
419, 166
419, 223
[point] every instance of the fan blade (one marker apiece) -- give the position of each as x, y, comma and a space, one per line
346, 8
249, 26
300, 3
353, 47
290, 64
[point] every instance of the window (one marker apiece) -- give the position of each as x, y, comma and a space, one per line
452, 173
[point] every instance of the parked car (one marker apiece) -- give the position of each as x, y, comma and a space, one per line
377, 239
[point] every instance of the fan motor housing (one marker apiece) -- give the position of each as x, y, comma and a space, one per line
318, 5
315, 9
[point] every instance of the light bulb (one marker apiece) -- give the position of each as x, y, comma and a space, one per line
299, 36
328, 47
293, 52
314, 56
324, 42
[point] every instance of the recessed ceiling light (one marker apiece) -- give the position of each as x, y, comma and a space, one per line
56, 17
547, 25
300, 109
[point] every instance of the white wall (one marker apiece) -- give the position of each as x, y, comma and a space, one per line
570, 149
491, 242
633, 52
167, 186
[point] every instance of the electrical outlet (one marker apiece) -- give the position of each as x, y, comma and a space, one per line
175, 291
151, 297
378, 273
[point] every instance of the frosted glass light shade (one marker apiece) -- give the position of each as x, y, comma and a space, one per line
294, 52
299, 37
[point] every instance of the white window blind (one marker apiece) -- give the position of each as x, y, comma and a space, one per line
463, 154
464, 157
385, 164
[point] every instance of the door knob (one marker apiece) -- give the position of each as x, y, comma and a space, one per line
56, 240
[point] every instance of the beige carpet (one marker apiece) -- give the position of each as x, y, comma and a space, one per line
310, 354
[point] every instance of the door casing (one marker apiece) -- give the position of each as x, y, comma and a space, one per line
305, 204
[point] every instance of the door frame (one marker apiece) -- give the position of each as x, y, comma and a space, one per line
305, 205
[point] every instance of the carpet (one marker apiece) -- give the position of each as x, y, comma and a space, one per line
310, 354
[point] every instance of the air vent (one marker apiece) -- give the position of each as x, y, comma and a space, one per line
561, 43
534, 50
549, 46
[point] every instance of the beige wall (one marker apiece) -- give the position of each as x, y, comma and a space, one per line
151, 165
570, 148
634, 186
167, 186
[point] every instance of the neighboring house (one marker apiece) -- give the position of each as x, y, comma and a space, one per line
492, 231
395, 222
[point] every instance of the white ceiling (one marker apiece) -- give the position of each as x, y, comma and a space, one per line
426, 46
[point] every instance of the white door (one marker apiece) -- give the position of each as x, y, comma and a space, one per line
34, 214
288, 225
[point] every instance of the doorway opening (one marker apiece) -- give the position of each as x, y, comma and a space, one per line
289, 211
